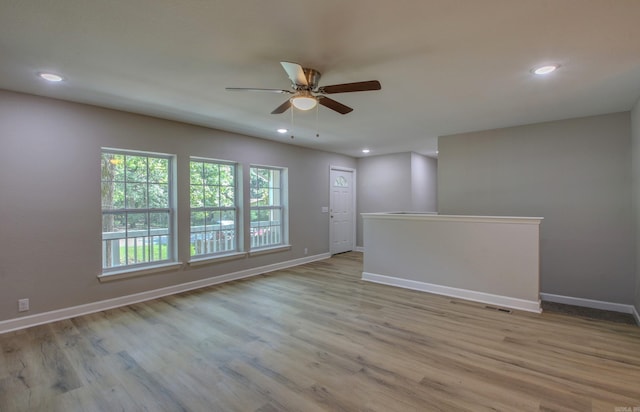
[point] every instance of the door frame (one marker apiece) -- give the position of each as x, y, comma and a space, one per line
353, 205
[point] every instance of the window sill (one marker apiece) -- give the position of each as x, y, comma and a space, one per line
217, 258
130, 273
264, 251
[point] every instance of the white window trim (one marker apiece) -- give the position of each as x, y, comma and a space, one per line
204, 258
284, 207
199, 260
139, 269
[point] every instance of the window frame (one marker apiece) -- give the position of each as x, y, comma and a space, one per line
282, 209
237, 238
168, 234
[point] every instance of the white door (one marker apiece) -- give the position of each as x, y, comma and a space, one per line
342, 210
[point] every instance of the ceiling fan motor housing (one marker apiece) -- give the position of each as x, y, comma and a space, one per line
313, 78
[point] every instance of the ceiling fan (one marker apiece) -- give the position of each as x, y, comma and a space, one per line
306, 92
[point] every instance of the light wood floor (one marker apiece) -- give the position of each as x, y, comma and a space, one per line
317, 338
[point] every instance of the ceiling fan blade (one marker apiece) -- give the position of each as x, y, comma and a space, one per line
351, 87
247, 89
334, 105
295, 73
282, 108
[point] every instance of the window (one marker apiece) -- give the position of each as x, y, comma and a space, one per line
214, 207
268, 201
137, 209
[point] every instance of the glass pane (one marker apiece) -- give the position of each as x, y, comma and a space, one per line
112, 167
197, 243
158, 195
137, 224
158, 170
197, 196
228, 218
136, 168
263, 197
111, 253
159, 223
131, 251
196, 173
119, 223
227, 197
211, 174
118, 195
275, 197
197, 221
136, 196
340, 181
211, 196
107, 195
275, 178
227, 175
263, 215
213, 220
108, 227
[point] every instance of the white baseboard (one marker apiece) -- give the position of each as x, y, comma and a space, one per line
636, 315
497, 300
589, 303
70, 312
359, 249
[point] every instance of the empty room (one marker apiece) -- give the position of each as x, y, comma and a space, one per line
320, 206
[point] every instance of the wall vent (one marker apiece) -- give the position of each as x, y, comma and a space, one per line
498, 309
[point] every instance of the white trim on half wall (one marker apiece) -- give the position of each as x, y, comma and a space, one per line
497, 300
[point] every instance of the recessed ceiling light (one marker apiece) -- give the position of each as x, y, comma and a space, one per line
51, 77
282, 130
545, 69
365, 150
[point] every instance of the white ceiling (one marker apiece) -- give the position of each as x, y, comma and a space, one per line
446, 66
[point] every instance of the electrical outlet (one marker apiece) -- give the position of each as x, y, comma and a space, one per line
23, 305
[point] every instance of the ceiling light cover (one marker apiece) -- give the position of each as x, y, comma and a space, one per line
545, 69
51, 77
304, 101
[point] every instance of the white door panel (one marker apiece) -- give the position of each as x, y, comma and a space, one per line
342, 211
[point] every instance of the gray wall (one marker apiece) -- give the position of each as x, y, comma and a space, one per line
576, 174
635, 153
50, 214
395, 182
424, 183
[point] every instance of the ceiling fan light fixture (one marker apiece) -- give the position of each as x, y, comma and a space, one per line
304, 101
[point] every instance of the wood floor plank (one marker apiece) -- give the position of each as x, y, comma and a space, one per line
318, 338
